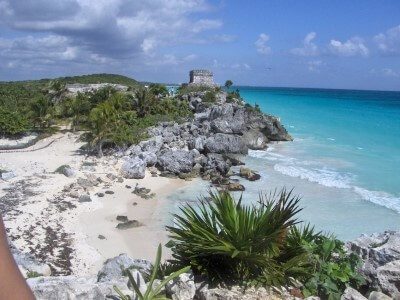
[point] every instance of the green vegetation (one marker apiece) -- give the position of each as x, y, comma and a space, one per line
153, 290
111, 117
261, 245
33, 274
228, 84
12, 122
33, 105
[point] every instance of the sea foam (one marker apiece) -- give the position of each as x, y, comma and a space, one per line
314, 172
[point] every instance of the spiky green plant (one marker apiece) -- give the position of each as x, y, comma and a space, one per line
151, 293
234, 243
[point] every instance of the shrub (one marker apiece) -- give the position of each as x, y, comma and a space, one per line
12, 123
332, 268
209, 97
232, 243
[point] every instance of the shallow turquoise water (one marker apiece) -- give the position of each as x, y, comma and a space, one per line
344, 160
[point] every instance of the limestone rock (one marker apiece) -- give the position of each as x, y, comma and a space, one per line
352, 294
133, 168
65, 287
388, 277
378, 296
182, 287
113, 268
225, 143
179, 161
255, 140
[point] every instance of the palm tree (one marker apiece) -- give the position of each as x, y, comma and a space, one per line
41, 109
228, 84
143, 102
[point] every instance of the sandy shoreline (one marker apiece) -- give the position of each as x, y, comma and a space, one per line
43, 214
139, 242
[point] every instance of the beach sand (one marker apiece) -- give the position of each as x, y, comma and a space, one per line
139, 242
43, 218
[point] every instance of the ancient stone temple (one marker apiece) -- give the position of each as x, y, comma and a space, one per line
201, 77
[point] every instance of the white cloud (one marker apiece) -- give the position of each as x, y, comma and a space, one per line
309, 48
87, 31
261, 44
352, 47
202, 25
314, 65
386, 72
389, 42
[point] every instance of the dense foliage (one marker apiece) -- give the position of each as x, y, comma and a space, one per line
111, 117
34, 104
259, 245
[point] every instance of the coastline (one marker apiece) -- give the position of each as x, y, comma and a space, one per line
43, 213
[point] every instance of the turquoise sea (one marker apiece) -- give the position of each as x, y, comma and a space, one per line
344, 160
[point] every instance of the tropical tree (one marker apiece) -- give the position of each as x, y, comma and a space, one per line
41, 111
142, 102
228, 84
158, 90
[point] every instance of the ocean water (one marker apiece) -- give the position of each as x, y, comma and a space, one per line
344, 161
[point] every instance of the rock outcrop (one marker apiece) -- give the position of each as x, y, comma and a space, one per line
380, 254
202, 145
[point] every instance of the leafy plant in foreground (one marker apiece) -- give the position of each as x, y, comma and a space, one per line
333, 269
151, 291
260, 245
233, 243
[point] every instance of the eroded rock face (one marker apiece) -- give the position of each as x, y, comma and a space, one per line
380, 254
178, 161
133, 167
182, 287
113, 268
225, 143
65, 287
352, 294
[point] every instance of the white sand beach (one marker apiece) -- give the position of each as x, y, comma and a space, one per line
45, 217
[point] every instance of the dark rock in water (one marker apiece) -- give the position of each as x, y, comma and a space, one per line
380, 255
134, 203
225, 143
108, 192
234, 160
128, 224
128, 186
248, 174
122, 218
84, 198
101, 237
178, 161
100, 195
235, 186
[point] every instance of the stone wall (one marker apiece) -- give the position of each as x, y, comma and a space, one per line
201, 77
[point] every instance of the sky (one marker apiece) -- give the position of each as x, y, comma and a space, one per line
324, 44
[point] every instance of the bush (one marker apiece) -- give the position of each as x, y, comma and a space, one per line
232, 243
209, 97
12, 123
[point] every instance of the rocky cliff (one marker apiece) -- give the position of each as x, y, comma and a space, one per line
204, 145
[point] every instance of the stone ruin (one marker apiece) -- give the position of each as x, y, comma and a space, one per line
201, 77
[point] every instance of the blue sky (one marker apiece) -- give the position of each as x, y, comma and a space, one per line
329, 44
